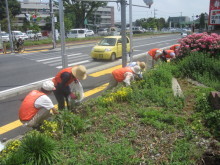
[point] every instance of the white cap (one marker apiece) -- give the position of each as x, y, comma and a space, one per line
48, 85
172, 54
136, 69
158, 53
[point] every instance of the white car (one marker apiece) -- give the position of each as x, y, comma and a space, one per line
31, 34
183, 34
39, 34
89, 33
4, 36
25, 36
17, 34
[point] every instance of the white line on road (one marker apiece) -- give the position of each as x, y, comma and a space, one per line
46, 59
153, 43
76, 63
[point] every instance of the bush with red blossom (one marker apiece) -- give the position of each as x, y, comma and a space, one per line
200, 42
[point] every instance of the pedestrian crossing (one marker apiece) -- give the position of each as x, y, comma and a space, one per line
55, 60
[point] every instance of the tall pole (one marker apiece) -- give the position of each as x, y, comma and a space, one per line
123, 32
9, 27
62, 33
52, 24
131, 31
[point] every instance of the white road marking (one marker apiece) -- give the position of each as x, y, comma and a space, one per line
153, 43
76, 63
46, 59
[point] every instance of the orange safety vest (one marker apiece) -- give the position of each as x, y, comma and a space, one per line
119, 73
152, 52
168, 53
27, 109
174, 47
57, 78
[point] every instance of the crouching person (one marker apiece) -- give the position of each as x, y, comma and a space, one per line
36, 106
125, 75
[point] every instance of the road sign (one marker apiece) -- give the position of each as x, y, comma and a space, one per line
214, 12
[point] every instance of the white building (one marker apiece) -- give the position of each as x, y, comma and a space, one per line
33, 7
103, 17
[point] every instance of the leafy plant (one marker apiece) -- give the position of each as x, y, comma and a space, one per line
35, 148
50, 128
70, 123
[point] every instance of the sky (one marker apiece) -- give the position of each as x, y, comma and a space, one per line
163, 8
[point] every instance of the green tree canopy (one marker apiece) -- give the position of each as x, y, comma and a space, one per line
202, 21
81, 10
14, 8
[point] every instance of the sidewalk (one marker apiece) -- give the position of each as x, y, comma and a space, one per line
45, 47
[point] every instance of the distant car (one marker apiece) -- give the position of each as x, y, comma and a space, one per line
103, 31
17, 34
89, 33
31, 34
25, 37
39, 34
76, 33
4, 36
183, 34
109, 48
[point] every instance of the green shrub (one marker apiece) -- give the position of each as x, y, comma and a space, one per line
211, 117
36, 148
160, 119
201, 67
184, 153
94, 148
70, 123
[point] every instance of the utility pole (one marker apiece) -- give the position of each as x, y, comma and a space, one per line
155, 13
9, 27
62, 33
123, 32
180, 20
131, 31
52, 24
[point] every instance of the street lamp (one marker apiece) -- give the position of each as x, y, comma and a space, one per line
148, 3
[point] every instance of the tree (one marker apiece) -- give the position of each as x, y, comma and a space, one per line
202, 21
160, 23
14, 8
81, 10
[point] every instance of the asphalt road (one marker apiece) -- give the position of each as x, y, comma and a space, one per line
21, 69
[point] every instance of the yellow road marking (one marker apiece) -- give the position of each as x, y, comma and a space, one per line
17, 123
106, 71
95, 90
10, 126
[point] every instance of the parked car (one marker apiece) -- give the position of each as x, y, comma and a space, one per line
25, 37
39, 34
89, 33
109, 48
77, 33
31, 34
18, 34
4, 36
103, 31
137, 30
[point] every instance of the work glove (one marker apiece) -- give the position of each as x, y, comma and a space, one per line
73, 96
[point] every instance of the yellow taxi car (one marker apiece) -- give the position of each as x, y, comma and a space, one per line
109, 48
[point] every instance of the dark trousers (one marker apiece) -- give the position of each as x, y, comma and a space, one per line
61, 98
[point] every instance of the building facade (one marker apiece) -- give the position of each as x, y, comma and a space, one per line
39, 11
